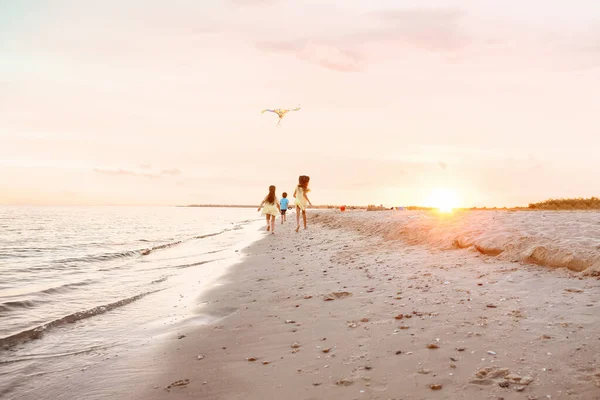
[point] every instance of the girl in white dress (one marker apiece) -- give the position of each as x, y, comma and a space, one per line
270, 209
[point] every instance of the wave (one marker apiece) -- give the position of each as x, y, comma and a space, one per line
43, 356
160, 280
181, 266
210, 234
66, 287
215, 251
31, 303
129, 253
38, 332
18, 304
195, 264
551, 239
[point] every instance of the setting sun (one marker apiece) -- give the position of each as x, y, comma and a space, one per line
445, 200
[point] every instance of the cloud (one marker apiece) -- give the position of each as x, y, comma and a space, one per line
143, 174
332, 57
326, 55
253, 2
173, 171
431, 30
125, 172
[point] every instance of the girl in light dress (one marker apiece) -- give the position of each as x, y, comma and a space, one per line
301, 199
270, 209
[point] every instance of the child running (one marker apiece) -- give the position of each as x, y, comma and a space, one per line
270, 209
301, 199
283, 206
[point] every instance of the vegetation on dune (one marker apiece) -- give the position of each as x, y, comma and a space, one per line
593, 203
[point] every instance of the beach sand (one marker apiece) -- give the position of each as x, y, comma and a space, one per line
339, 313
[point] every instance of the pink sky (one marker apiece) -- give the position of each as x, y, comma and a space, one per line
156, 102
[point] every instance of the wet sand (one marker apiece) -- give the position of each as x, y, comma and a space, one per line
332, 313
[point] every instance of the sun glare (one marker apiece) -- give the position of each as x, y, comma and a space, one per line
445, 200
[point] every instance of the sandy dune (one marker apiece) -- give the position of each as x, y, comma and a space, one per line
554, 239
334, 313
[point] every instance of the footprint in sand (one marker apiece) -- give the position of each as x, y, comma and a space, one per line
590, 375
336, 295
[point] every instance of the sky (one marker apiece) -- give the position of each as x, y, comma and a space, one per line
147, 102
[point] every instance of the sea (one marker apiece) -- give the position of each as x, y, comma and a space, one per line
80, 284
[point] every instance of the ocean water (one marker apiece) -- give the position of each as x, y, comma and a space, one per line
80, 280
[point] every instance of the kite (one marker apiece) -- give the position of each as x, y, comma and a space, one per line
281, 113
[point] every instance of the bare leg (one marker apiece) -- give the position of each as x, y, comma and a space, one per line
304, 218
282, 217
272, 224
268, 227
297, 218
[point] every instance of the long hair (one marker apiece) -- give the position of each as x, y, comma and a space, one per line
271, 196
303, 182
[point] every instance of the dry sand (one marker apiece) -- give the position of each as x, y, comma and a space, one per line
340, 313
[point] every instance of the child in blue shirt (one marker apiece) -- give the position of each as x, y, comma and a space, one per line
283, 206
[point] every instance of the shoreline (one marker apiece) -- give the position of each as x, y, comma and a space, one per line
111, 353
330, 313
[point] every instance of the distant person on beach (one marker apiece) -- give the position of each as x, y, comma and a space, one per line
270, 209
283, 206
301, 199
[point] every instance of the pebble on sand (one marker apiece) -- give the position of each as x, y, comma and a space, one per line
295, 345
251, 359
433, 346
435, 387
